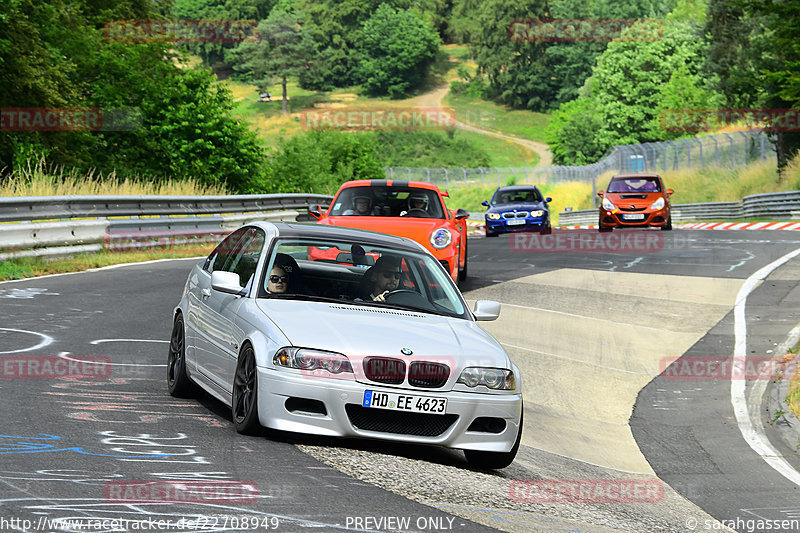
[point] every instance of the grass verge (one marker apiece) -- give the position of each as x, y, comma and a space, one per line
28, 267
495, 117
793, 396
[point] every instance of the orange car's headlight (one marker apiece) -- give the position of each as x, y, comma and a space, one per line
441, 238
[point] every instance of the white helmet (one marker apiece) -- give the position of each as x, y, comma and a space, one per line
418, 197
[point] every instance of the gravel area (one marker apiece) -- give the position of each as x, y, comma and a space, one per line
440, 478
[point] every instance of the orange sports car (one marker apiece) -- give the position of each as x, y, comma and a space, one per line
635, 201
412, 209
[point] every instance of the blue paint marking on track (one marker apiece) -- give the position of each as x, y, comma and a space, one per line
41, 447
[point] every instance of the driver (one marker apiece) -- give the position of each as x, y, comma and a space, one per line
418, 200
386, 275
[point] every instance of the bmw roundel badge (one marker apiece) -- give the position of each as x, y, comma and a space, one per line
406, 351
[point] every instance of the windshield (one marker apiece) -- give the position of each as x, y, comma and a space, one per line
325, 270
516, 196
388, 202
644, 184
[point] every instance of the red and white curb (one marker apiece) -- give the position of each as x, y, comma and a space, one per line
743, 225
476, 228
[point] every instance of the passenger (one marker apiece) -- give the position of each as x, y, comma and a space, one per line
278, 281
362, 205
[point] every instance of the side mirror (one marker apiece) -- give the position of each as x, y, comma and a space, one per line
670, 192
600, 193
486, 310
485, 203
462, 213
548, 200
227, 282
315, 211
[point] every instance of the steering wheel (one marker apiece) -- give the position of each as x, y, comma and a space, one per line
399, 292
418, 211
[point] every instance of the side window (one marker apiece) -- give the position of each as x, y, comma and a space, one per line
223, 251
245, 258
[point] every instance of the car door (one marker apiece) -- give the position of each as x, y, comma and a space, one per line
218, 362
199, 323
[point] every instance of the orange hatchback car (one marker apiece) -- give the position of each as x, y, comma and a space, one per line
635, 201
412, 209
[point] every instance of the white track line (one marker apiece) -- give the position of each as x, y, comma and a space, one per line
752, 433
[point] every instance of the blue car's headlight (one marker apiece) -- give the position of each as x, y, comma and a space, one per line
493, 216
441, 238
537, 213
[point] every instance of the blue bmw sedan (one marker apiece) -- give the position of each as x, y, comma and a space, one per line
517, 208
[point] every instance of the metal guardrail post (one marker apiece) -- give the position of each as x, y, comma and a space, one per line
716, 150
701, 151
730, 139
746, 147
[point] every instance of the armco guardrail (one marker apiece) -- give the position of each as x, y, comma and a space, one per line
61, 207
36, 226
775, 205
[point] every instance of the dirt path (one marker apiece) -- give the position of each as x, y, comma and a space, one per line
435, 98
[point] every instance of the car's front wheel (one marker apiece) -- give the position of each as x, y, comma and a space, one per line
495, 460
462, 272
668, 225
244, 400
178, 381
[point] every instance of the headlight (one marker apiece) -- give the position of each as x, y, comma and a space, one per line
658, 204
537, 213
493, 216
607, 205
494, 378
441, 238
312, 360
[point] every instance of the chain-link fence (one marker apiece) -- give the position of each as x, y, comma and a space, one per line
730, 150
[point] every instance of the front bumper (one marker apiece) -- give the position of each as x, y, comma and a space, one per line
275, 387
502, 226
652, 218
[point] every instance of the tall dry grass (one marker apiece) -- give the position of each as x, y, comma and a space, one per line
37, 178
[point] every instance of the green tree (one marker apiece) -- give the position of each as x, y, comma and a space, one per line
283, 49
214, 52
318, 161
396, 47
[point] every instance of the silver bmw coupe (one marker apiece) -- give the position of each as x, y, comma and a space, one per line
342, 332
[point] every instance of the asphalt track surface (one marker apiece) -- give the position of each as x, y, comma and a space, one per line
71, 447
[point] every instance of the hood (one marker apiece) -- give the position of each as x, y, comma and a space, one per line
416, 229
356, 330
637, 199
530, 206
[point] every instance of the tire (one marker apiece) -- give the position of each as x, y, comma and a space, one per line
178, 382
490, 234
547, 231
495, 460
668, 227
462, 272
244, 399
602, 228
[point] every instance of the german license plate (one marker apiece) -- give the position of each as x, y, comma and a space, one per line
637, 216
404, 402
515, 222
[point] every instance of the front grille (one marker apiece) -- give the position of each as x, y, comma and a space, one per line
631, 208
385, 370
398, 422
427, 374
518, 214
